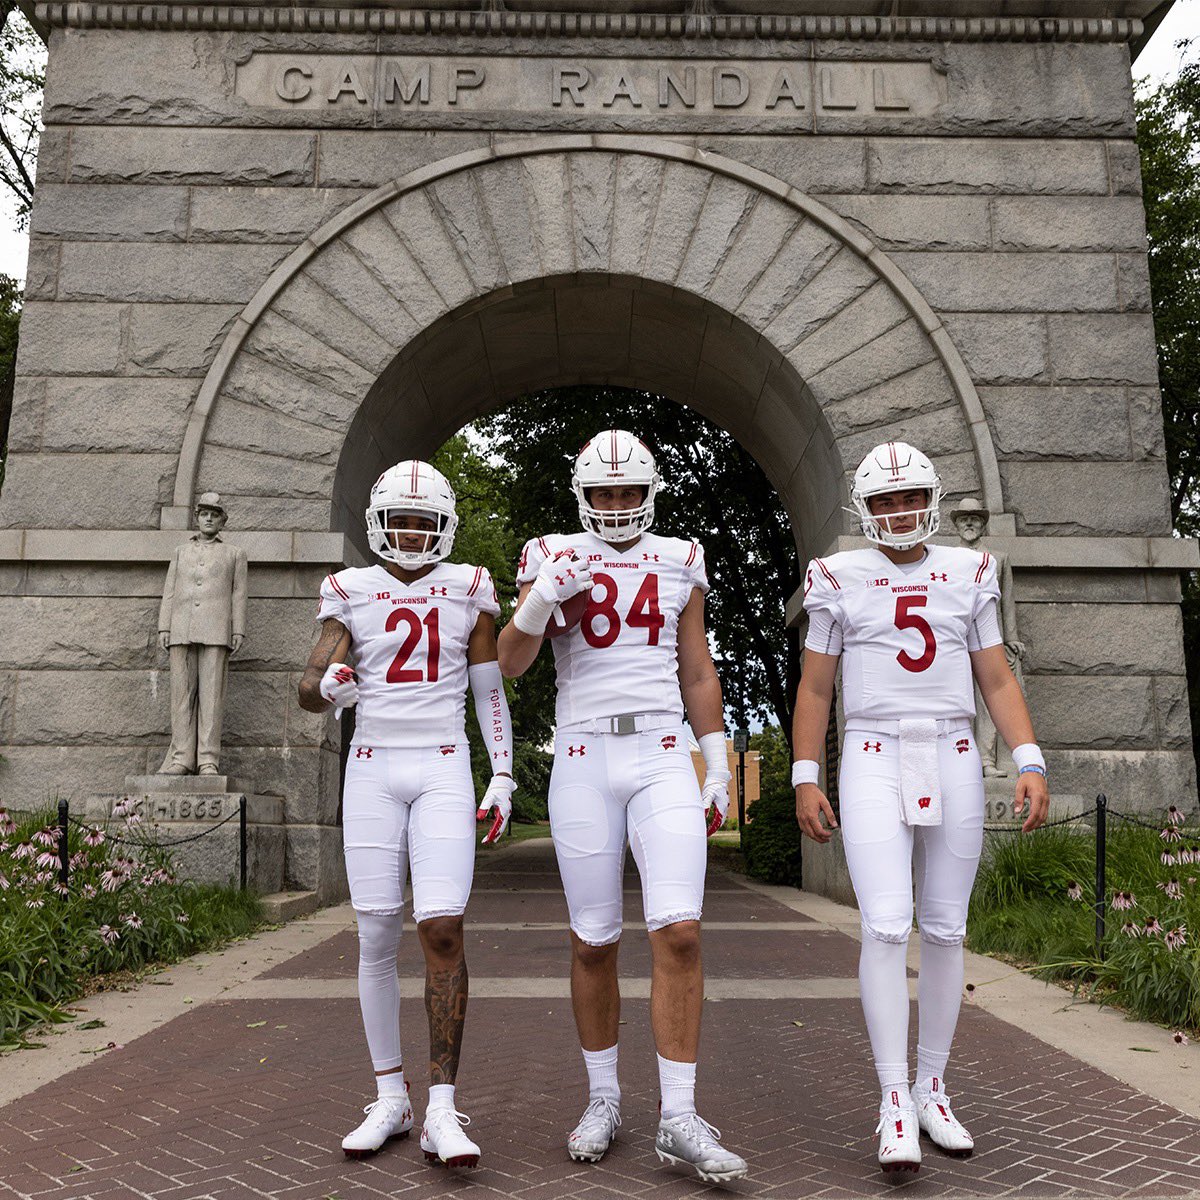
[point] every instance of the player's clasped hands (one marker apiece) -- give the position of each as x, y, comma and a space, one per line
339, 685
810, 805
561, 577
499, 797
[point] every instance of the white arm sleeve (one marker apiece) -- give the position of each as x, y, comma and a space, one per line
824, 633
984, 630
491, 710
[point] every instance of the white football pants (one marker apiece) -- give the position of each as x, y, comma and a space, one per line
608, 787
402, 810
886, 858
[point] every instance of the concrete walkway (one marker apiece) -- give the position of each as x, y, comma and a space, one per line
236, 1074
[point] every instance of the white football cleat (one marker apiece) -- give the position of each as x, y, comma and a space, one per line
899, 1135
597, 1128
691, 1141
443, 1140
388, 1117
937, 1120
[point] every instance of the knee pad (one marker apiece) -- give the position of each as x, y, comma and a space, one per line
379, 937
941, 933
894, 932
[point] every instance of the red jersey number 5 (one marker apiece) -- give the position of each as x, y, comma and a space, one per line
907, 619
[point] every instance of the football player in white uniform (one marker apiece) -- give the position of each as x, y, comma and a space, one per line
623, 771
420, 628
911, 622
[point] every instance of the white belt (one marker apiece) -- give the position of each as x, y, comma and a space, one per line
892, 728
624, 723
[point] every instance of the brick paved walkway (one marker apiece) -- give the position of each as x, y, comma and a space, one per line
249, 1093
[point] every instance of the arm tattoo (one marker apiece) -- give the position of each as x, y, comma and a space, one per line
332, 633
446, 1003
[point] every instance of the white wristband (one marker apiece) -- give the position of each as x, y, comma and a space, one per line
712, 747
1028, 755
534, 612
805, 770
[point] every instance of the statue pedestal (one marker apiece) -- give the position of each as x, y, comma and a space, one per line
181, 806
998, 806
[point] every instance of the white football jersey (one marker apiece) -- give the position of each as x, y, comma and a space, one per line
904, 632
410, 648
622, 657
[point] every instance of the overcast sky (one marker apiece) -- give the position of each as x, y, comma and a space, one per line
1159, 61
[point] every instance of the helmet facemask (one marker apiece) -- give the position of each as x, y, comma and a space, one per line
876, 527
617, 525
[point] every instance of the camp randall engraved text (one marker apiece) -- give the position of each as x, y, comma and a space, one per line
624, 87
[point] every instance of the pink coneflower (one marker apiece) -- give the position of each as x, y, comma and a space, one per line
4, 884
46, 859
4, 847
133, 818
8, 826
1152, 927
23, 850
122, 806
94, 837
182, 918
1170, 834
63, 889
1172, 888
46, 837
1179, 1038
1123, 900
89, 891
79, 859
1176, 938
108, 935
1074, 890
35, 902
1175, 815
43, 877
132, 920
111, 880
1168, 859
1131, 929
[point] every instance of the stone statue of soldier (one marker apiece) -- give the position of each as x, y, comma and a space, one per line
970, 520
202, 621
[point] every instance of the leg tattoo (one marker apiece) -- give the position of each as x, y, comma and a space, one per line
446, 1003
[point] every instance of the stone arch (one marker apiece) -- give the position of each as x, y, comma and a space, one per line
585, 258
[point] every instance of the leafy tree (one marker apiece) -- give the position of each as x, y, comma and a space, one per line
713, 490
22, 80
1168, 120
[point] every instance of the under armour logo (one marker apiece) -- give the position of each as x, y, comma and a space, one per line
363, 752
649, 558
876, 746
924, 801
935, 576
562, 579
499, 753
433, 591
447, 749
668, 743
962, 745
574, 750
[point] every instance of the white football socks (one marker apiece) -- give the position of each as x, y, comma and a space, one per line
602, 1074
883, 981
378, 986
939, 998
677, 1084
392, 1085
441, 1095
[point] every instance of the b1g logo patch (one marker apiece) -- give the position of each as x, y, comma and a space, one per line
668, 742
962, 745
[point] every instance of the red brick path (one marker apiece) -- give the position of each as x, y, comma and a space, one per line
207, 1106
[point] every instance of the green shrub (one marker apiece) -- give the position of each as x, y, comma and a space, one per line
123, 909
771, 840
1023, 908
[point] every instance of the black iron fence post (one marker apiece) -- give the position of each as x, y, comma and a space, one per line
1101, 857
242, 842
64, 854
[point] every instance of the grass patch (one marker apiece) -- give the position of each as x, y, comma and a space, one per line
124, 909
1033, 904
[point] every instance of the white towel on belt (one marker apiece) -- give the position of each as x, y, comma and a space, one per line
920, 780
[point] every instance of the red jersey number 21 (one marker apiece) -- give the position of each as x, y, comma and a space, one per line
398, 672
907, 619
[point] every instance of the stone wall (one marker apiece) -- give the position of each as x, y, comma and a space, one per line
230, 289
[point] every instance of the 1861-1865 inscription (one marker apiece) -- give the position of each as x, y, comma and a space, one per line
625, 88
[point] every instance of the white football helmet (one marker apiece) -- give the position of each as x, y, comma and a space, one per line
611, 459
896, 467
412, 488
